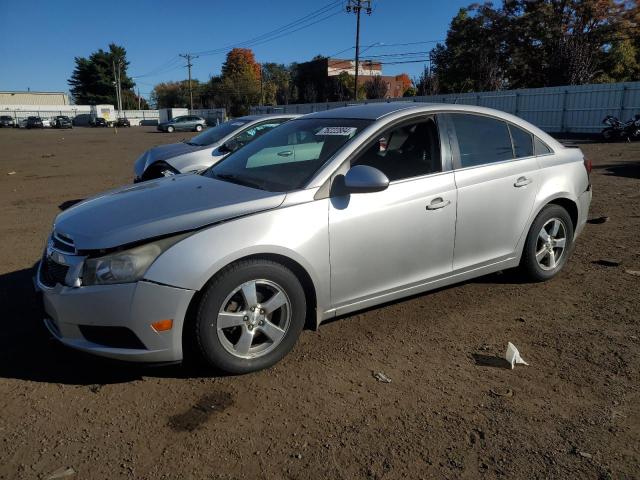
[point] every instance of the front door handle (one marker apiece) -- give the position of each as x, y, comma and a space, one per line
286, 153
438, 203
522, 182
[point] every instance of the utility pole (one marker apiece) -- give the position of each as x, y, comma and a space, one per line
356, 6
189, 57
139, 99
116, 82
261, 85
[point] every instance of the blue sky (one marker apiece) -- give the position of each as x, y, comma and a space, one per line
39, 39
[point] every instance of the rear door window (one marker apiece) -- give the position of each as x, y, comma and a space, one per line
481, 140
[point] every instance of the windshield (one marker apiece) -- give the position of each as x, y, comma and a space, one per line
217, 133
286, 158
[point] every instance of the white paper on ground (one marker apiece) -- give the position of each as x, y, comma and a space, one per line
513, 355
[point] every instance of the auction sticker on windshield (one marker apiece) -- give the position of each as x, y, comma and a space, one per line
343, 131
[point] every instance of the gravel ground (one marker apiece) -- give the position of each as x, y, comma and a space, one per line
451, 410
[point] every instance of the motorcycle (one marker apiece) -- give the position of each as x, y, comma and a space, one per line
617, 130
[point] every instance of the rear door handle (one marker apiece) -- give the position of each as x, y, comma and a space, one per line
286, 153
522, 182
438, 203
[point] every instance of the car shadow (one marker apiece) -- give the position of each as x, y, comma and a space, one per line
69, 203
29, 352
627, 170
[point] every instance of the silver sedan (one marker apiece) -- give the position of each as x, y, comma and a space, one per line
204, 149
327, 214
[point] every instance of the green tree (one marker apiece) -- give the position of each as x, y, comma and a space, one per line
538, 43
176, 94
93, 82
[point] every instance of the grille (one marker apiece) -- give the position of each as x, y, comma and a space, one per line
63, 243
52, 273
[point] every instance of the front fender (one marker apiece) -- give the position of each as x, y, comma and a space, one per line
298, 232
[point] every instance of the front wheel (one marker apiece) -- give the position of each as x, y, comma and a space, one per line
548, 244
198, 128
170, 129
250, 316
608, 134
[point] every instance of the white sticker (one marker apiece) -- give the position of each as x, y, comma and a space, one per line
237, 124
343, 131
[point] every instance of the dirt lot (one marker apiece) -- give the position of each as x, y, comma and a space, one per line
451, 411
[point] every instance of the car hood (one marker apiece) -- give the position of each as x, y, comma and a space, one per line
164, 152
159, 207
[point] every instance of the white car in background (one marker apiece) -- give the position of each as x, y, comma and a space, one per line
205, 149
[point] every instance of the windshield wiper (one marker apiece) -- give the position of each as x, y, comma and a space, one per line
239, 180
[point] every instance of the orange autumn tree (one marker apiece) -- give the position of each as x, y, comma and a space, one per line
405, 81
239, 83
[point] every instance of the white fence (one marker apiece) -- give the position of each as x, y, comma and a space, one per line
81, 114
576, 108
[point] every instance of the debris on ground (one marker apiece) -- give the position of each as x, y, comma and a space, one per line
64, 472
586, 455
635, 273
513, 355
48, 155
598, 220
381, 377
497, 393
95, 388
607, 262
11, 173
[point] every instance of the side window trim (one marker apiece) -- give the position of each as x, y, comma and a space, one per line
455, 148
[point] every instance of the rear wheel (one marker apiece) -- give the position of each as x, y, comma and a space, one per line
170, 129
250, 316
198, 128
548, 244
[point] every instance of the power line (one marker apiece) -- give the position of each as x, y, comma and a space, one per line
302, 22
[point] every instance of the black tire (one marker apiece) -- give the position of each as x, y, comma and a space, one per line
608, 135
529, 265
218, 290
170, 129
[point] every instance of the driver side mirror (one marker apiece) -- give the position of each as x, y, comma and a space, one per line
229, 147
365, 179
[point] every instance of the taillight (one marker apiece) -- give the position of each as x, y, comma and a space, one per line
588, 166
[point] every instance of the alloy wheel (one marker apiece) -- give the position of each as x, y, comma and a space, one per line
253, 319
551, 243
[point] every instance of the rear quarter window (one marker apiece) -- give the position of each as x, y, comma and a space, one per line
522, 142
541, 148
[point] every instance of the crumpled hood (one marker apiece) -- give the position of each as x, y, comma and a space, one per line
165, 152
159, 207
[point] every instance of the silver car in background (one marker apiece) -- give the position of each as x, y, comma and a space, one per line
204, 149
327, 214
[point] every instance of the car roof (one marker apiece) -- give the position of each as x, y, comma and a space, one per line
262, 116
370, 111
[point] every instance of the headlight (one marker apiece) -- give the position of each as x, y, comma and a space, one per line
125, 266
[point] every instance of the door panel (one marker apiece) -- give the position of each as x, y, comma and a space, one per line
387, 240
494, 204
